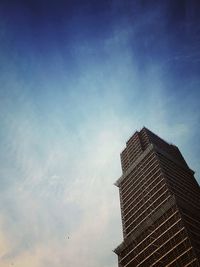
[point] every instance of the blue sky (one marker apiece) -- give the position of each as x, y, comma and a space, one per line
77, 78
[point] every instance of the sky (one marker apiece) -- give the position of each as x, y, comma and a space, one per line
77, 79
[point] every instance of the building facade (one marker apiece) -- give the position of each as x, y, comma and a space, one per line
160, 205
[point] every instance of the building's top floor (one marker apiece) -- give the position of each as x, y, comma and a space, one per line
140, 141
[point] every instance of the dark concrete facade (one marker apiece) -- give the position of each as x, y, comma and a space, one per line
160, 205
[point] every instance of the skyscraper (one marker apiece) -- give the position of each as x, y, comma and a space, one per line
160, 205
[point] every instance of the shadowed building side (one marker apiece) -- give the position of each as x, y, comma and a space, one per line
160, 205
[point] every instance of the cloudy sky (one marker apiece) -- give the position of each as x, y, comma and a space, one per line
77, 78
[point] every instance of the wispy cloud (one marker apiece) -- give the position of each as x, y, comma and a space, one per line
65, 117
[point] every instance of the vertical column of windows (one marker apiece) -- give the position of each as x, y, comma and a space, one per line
122, 212
134, 148
192, 223
144, 138
124, 160
144, 193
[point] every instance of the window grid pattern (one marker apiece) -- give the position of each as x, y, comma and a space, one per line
156, 233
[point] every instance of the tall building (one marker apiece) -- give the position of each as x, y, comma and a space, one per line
160, 205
